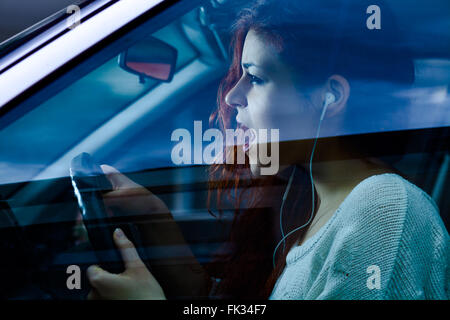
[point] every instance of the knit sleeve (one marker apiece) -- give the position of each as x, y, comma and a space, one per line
421, 268
371, 240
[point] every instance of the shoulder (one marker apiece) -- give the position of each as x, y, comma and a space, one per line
383, 209
390, 223
405, 235
388, 199
373, 215
384, 243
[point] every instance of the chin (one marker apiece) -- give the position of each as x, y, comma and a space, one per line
256, 170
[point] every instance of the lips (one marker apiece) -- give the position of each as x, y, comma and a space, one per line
251, 137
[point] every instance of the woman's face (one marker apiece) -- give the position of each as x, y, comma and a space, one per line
265, 96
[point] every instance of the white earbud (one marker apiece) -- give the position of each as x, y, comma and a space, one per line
329, 98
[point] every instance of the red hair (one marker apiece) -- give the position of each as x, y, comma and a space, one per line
245, 263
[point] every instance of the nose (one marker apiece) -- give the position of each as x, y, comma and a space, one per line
236, 97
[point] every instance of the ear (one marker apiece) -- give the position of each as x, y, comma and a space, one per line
340, 87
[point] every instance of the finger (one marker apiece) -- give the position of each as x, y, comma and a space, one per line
121, 193
129, 253
117, 179
102, 281
113, 175
93, 295
109, 169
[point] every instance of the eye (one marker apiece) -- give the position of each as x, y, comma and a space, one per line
254, 79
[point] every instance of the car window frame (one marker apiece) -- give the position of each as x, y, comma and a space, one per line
88, 60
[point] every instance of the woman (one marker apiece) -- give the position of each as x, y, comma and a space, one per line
338, 229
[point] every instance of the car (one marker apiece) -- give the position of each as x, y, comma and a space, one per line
94, 86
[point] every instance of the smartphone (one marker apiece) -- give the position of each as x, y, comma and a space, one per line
89, 183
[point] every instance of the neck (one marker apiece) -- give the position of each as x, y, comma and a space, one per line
334, 180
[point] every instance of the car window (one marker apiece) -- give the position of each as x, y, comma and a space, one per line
77, 111
135, 123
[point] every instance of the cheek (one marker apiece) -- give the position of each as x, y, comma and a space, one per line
264, 106
280, 108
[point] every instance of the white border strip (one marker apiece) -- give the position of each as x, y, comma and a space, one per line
40, 64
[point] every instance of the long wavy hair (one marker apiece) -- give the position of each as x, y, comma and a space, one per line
316, 38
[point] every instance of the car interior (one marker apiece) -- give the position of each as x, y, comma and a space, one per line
124, 119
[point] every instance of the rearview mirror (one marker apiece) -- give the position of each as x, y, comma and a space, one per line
150, 58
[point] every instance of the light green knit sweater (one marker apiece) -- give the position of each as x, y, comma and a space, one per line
385, 224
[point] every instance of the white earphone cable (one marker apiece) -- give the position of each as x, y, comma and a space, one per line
312, 188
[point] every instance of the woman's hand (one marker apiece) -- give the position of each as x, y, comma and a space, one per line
130, 197
135, 283
188, 278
